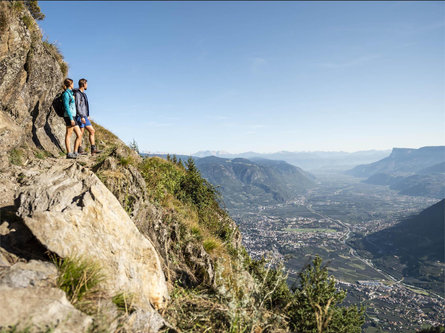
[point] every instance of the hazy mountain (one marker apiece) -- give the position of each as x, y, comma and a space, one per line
418, 172
257, 182
412, 249
403, 161
317, 160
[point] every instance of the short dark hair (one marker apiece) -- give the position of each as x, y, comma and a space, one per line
82, 83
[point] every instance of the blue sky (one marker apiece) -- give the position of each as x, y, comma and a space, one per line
259, 76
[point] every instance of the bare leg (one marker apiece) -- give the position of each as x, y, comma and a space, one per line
69, 131
92, 131
78, 138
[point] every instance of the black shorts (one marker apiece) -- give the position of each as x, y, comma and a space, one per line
68, 122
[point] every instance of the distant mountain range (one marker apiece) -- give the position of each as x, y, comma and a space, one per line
413, 248
254, 182
418, 172
312, 161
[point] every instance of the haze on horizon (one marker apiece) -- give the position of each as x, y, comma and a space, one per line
184, 77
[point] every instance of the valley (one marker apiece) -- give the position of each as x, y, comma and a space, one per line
325, 221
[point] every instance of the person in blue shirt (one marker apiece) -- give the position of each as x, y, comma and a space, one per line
70, 119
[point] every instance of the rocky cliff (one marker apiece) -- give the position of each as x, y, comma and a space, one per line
112, 242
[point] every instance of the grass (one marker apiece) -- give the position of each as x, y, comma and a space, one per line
28, 21
41, 154
55, 52
27, 329
16, 156
210, 244
79, 278
124, 302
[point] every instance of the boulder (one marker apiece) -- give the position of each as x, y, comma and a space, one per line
72, 213
30, 301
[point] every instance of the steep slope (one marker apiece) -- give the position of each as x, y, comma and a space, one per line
414, 247
31, 72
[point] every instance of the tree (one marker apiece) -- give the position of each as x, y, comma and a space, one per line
134, 146
315, 306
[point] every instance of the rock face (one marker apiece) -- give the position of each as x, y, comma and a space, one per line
30, 78
72, 213
30, 300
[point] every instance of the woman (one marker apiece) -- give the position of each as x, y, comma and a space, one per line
69, 116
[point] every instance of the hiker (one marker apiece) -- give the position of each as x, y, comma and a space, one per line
83, 115
69, 117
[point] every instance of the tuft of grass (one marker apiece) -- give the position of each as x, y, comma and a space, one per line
54, 50
28, 21
79, 278
64, 68
210, 244
41, 154
27, 329
124, 302
125, 161
16, 156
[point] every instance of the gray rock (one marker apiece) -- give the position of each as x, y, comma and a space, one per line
39, 309
72, 213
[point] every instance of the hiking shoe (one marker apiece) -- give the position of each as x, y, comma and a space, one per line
94, 150
71, 155
81, 151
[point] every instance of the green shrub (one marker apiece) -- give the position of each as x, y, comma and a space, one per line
315, 307
79, 278
16, 156
125, 161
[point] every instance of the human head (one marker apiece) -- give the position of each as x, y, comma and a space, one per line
68, 83
83, 83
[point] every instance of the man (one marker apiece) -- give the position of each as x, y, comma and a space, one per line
83, 114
